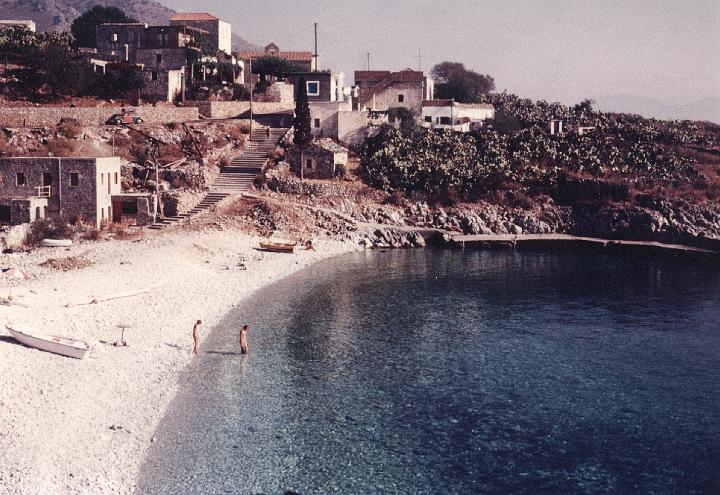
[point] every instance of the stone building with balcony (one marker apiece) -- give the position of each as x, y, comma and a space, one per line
72, 188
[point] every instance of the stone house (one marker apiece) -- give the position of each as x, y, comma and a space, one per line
303, 60
383, 90
319, 160
220, 32
119, 42
449, 114
81, 188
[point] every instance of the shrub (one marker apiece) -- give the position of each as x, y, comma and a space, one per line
70, 128
396, 198
58, 228
91, 234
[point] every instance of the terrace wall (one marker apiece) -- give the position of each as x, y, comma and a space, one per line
90, 116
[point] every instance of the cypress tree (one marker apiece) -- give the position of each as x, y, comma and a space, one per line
301, 122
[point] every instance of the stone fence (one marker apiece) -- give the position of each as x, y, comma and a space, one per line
90, 116
231, 109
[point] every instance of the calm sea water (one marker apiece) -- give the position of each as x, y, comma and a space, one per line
433, 372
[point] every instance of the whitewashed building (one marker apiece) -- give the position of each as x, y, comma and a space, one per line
449, 114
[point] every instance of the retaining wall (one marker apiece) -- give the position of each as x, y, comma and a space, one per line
230, 109
90, 116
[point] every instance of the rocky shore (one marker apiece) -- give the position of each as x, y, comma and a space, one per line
645, 219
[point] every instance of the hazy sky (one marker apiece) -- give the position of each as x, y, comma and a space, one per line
557, 50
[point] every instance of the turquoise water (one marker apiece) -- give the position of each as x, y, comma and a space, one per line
426, 372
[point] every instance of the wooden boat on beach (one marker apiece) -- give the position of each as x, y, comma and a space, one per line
278, 247
51, 343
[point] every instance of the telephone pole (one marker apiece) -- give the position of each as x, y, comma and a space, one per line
368, 61
315, 56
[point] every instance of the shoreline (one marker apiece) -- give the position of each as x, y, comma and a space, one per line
69, 426
108, 406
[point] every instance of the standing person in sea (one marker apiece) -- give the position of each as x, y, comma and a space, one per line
243, 340
196, 335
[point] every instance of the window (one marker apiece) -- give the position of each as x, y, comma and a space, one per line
445, 120
401, 98
162, 40
116, 178
317, 122
74, 179
313, 88
114, 38
154, 75
158, 58
47, 179
310, 164
102, 179
428, 119
20, 179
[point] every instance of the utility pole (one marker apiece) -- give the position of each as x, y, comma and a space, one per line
251, 91
315, 56
368, 61
419, 61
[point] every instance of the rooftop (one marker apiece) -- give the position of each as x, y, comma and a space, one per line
374, 76
450, 102
293, 56
193, 16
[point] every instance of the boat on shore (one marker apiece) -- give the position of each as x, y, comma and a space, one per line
278, 247
51, 343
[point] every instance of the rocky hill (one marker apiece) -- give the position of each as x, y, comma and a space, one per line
57, 15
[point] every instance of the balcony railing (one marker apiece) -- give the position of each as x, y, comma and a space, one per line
43, 191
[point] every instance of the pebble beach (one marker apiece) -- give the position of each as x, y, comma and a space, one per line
72, 426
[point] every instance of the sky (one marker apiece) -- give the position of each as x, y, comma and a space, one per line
556, 50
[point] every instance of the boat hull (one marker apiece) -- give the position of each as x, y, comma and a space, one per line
277, 247
52, 343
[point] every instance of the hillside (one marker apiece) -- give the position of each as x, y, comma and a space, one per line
57, 15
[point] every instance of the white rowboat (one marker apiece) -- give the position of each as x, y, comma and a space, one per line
56, 242
52, 343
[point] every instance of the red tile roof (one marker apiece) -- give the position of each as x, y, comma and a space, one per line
293, 56
193, 16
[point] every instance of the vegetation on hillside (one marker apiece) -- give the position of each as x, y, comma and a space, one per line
83, 28
47, 65
453, 80
517, 150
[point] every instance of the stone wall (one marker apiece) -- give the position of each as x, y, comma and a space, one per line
230, 109
90, 116
352, 127
87, 197
412, 93
170, 58
321, 166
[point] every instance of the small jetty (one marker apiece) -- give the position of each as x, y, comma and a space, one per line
484, 241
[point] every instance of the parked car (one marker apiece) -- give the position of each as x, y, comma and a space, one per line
125, 117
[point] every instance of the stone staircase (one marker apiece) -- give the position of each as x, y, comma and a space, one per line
236, 177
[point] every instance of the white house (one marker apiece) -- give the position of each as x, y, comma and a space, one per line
449, 114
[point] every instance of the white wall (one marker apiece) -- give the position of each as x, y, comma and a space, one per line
224, 37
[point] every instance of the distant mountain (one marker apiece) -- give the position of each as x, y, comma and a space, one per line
704, 109
57, 15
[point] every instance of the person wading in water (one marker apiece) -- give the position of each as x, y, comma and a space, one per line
196, 335
243, 339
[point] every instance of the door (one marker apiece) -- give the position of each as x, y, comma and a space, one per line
47, 179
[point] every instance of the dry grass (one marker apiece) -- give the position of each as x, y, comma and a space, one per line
67, 264
61, 147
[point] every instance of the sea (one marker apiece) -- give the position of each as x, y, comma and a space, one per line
457, 372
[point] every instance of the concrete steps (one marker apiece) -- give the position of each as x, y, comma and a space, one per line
238, 176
